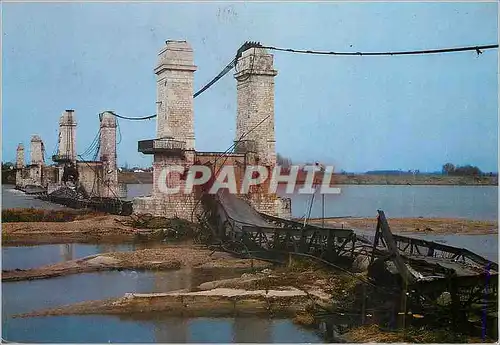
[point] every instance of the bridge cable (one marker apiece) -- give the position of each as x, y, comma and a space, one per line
247, 45
477, 49
226, 70
92, 145
131, 118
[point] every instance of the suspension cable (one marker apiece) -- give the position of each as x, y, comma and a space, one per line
477, 49
130, 118
226, 70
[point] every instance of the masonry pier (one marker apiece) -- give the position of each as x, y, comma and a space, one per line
175, 139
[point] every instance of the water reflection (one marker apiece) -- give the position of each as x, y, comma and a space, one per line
172, 330
66, 252
25, 296
103, 329
12, 198
253, 330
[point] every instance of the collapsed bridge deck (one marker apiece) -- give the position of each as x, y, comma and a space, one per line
414, 261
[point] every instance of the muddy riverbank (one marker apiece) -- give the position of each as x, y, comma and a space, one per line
109, 229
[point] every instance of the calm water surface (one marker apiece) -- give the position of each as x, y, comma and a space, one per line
472, 202
19, 297
102, 329
12, 198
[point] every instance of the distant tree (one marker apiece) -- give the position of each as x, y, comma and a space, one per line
467, 170
7, 165
448, 169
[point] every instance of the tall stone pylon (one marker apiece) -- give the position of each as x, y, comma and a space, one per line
175, 140
67, 136
255, 104
175, 107
19, 164
175, 120
37, 151
37, 160
108, 155
20, 156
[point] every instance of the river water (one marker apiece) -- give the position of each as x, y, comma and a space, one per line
25, 296
361, 201
20, 297
471, 202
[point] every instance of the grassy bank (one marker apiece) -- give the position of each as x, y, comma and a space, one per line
40, 215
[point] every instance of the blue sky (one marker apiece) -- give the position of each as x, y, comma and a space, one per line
359, 113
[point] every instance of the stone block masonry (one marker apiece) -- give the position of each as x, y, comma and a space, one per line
37, 151
67, 136
175, 93
19, 164
107, 152
255, 101
175, 122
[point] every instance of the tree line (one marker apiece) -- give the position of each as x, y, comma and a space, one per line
462, 170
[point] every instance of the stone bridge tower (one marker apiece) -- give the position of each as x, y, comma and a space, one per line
67, 136
175, 72
19, 164
108, 155
37, 151
175, 140
255, 121
255, 101
37, 162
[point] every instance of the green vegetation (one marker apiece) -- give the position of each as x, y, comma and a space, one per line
465, 170
8, 173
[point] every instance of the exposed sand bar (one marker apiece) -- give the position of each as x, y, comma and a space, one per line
106, 229
216, 302
159, 259
416, 225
